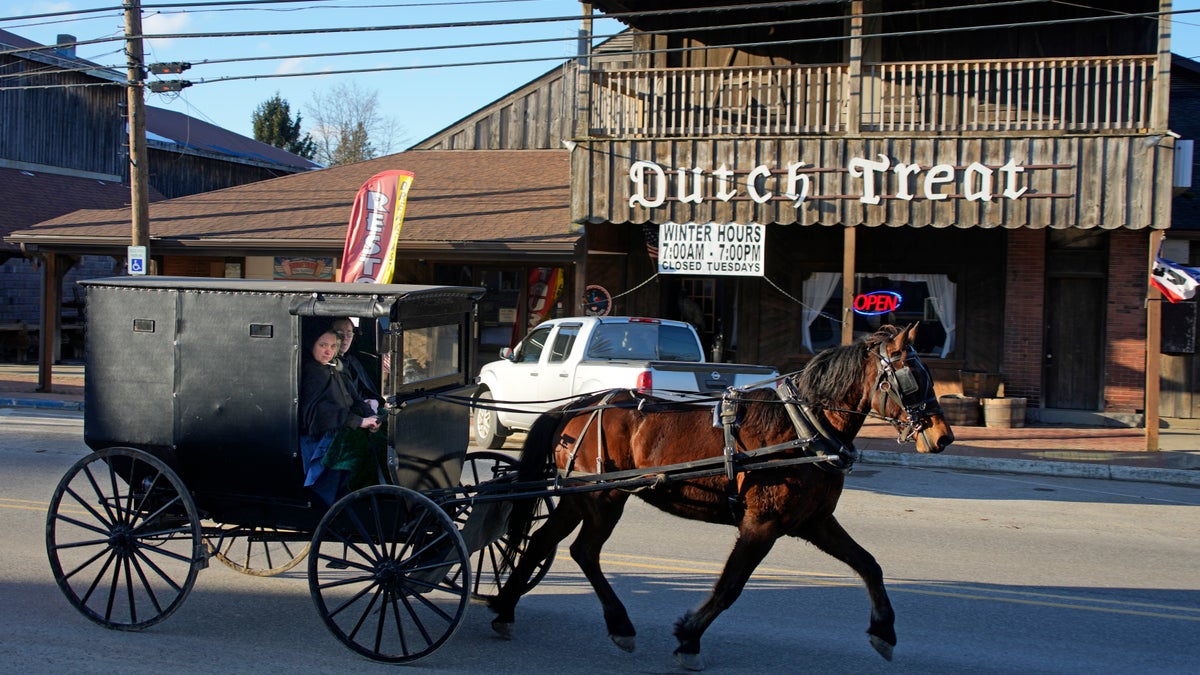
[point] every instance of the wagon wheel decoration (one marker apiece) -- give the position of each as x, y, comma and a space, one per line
258, 551
597, 301
494, 553
389, 573
124, 539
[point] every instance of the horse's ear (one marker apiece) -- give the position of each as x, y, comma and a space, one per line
910, 333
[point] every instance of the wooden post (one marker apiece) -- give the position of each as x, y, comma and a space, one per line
138, 170
1153, 348
854, 109
48, 334
849, 249
1162, 69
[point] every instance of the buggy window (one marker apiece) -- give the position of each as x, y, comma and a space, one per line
430, 353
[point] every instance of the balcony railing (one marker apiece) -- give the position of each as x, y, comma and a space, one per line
1014, 95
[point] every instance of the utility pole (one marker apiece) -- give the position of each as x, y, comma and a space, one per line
138, 172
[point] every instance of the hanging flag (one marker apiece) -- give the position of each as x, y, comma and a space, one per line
369, 255
650, 231
1177, 282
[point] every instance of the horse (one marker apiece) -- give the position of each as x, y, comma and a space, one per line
624, 431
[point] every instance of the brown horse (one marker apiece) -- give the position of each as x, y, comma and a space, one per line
830, 400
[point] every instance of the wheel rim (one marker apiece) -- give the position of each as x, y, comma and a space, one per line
389, 573
492, 564
259, 551
123, 538
483, 424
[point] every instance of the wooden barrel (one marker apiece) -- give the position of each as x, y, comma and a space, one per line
978, 383
1004, 413
960, 411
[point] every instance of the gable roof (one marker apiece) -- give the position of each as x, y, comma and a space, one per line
462, 204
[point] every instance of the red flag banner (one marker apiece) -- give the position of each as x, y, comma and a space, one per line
369, 255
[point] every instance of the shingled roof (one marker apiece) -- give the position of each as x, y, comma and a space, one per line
474, 203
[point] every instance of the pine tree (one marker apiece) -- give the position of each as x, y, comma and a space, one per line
273, 125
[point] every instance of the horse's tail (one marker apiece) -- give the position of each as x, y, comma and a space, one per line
535, 463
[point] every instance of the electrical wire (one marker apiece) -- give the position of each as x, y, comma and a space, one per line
761, 43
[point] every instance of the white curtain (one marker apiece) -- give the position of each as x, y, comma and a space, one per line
943, 298
818, 288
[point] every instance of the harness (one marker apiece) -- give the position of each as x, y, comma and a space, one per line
901, 386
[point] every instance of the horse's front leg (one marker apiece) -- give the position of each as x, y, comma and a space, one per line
598, 524
561, 522
753, 544
829, 536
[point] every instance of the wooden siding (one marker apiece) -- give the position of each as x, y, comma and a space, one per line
79, 127
538, 116
178, 174
1071, 181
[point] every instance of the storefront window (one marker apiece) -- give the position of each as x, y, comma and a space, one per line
928, 298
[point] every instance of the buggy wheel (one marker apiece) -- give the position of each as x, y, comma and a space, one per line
489, 433
484, 525
389, 573
124, 538
259, 551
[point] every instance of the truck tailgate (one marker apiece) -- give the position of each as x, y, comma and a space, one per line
710, 377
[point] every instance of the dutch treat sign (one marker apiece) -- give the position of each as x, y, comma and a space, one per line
730, 249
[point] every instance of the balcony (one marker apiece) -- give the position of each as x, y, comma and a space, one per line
1094, 94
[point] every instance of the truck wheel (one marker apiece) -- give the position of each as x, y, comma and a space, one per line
489, 433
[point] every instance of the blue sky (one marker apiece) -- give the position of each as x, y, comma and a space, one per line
421, 101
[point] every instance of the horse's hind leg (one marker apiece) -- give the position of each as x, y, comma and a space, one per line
542, 542
598, 526
829, 536
749, 550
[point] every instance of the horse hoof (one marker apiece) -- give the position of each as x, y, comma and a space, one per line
885, 649
691, 662
503, 628
625, 642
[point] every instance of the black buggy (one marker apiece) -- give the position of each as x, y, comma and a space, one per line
191, 413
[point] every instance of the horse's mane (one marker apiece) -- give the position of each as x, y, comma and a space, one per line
830, 376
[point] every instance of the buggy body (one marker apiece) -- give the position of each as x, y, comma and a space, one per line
204, 374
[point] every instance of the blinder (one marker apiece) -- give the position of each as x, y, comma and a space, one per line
917, 399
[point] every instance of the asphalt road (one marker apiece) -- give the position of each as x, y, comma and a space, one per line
988, 573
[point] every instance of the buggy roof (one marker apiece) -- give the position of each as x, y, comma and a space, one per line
331, 298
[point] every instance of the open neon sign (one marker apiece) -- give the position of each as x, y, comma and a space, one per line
876, 302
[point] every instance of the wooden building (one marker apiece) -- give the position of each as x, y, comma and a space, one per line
1005, 173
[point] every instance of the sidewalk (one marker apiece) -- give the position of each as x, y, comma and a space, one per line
1116, 453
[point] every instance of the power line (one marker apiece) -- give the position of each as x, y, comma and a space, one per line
799, 41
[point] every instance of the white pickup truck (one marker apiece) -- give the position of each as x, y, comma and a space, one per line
567, 357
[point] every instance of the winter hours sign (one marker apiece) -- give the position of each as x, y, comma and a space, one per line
711, 249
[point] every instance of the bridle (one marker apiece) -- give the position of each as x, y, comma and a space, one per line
902, 386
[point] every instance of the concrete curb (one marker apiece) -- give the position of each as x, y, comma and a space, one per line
1034, 467
43, 403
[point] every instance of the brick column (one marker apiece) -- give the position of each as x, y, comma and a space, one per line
1024, 314
1125, 321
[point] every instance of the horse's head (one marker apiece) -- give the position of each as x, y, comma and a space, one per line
904, 393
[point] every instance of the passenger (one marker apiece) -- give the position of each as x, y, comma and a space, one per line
335, 425
352, 368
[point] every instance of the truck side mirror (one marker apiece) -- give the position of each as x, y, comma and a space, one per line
507, 353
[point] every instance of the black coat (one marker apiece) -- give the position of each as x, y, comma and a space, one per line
326, 402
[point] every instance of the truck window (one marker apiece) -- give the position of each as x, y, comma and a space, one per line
563, 342
531, 348
676, 343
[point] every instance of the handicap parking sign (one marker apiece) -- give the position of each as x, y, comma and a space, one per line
137, 260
